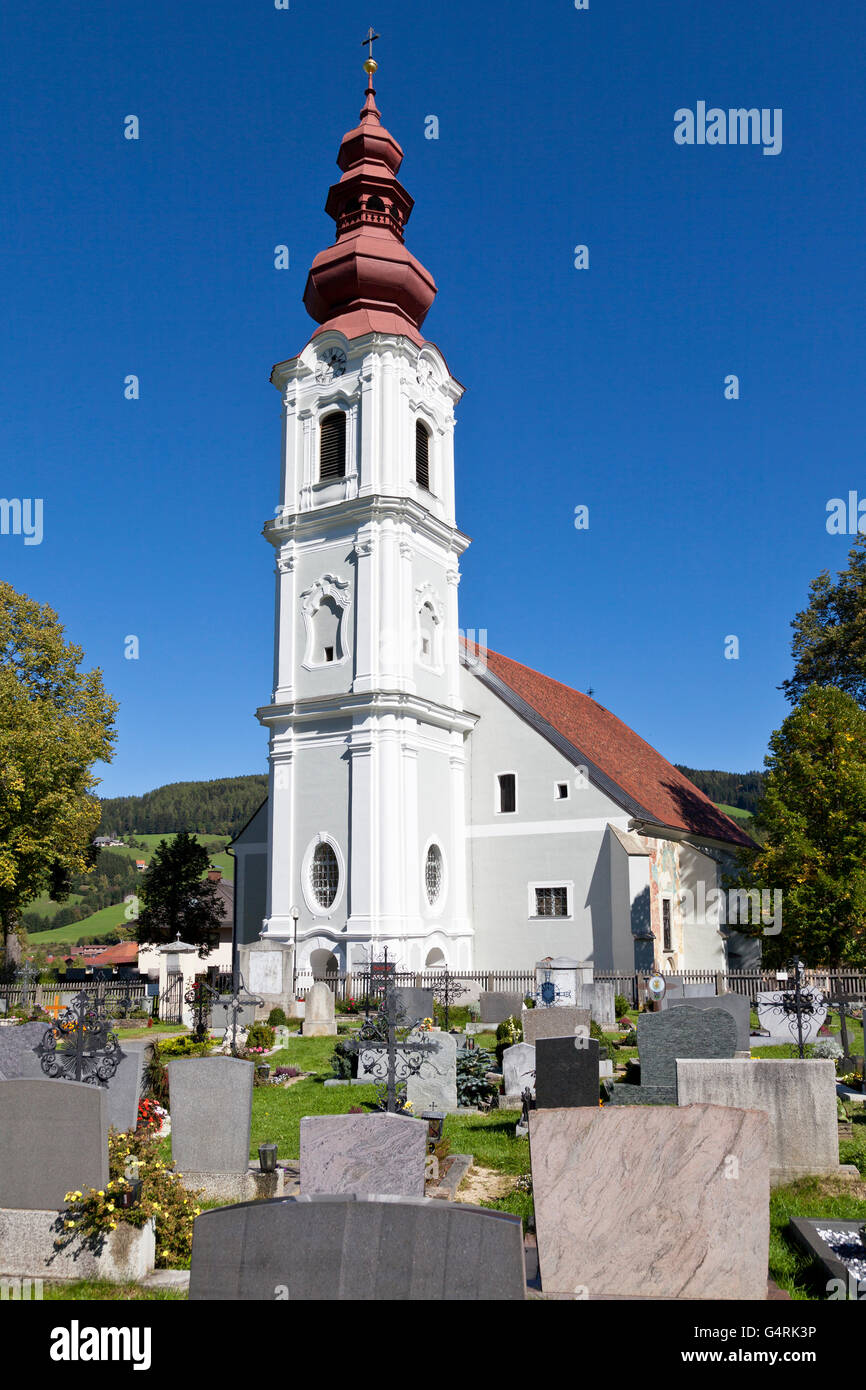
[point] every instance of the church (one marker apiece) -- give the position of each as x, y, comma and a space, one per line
425, 793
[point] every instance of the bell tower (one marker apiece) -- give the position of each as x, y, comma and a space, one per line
366, 835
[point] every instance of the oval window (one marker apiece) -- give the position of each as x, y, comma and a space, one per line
324, 875
433, 873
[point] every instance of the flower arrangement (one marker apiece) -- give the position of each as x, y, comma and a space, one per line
91, 1216
150, 1116
425, 1026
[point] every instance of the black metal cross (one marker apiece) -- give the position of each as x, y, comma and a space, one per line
370, 39
380, 1034
200, 998
448, 992
26, 975
80, 1045
235, 1004
839, 1003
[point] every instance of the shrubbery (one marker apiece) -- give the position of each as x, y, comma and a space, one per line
473, 1088
260, 1035
92, 1215
277, 1018
621, 1005
508, 1032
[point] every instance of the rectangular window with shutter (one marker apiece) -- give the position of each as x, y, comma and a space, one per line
422, 455
332, 446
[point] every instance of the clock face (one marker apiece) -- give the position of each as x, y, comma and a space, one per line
332, 363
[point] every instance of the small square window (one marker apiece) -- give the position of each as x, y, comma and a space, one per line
562, 791
551, 902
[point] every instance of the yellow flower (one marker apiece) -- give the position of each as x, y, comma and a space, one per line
100, 1193
197, 1211
113, 1226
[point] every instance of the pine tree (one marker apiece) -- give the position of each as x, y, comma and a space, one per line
177, 900
829, 643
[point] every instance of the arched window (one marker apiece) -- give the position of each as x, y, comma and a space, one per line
324, 874
427, 652
422, 455
375, 204
433, 873
332, 446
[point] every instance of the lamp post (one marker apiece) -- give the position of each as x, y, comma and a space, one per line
295, 915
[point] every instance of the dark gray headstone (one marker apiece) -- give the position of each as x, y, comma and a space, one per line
52, 1141
496, 1007
355, 1249
683, 1031
210, 1100
737, 1005
417, 1004
566, 1072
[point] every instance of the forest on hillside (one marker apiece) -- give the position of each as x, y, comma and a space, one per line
221, 807
728, 788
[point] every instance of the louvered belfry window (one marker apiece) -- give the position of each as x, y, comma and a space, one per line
332, 446
422, 455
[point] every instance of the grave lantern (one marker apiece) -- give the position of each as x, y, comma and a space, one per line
268, 1157
435, 1124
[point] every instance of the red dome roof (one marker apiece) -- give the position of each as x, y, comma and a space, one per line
367, 281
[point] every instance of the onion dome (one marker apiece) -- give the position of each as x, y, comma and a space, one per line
368, 282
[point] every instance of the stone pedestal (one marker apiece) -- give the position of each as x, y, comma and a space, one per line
27, 1249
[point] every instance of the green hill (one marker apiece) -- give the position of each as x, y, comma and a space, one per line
220, 807
738, 790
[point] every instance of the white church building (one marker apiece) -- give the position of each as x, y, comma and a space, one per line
425, 793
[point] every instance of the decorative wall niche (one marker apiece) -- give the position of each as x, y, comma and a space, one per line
324, 607
429, 621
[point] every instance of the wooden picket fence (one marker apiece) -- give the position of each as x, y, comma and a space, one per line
346, 985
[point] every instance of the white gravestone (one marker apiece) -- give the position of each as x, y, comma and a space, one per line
518, 1070
266, 972
782, 1025
435, 1086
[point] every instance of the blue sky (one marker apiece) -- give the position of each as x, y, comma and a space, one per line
602, 387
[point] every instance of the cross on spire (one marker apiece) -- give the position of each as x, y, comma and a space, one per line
370, 39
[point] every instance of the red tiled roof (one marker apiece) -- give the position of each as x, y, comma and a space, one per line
124, 954
638, 769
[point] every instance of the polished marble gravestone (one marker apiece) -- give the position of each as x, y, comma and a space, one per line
566, 1072
652, 1202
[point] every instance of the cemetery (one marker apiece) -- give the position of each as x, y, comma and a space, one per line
531, 1149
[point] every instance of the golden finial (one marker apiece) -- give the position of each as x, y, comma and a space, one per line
370, 64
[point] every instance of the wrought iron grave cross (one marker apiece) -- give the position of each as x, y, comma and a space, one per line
79, 1045
379, 1035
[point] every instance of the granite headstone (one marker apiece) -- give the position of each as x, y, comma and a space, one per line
496, 1007
371, 1154
683, 1031
434, 1087
320, 1014
518, 1070
52, 1141
359, 1249
737, 1005
638, 1203
414, 1004
558, 1022
566, 1072
211, 1101
781, 1023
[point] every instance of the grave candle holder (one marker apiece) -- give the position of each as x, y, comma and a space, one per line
268, 1158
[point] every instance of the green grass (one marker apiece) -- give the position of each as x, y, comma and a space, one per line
736, 812
791, 1268
97, 924
83, 1290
